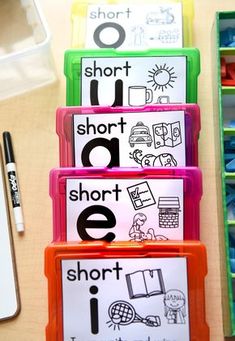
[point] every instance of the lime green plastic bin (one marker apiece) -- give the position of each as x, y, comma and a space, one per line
131, 78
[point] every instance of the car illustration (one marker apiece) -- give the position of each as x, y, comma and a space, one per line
140, 134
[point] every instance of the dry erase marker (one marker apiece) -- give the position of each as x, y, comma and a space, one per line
13, 181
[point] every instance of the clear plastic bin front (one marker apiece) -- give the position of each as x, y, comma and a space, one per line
25, 57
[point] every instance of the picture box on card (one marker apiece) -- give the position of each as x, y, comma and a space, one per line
111, 77
91, 285
150, 136
129, 26
125, 203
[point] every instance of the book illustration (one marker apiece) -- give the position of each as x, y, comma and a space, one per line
137, 234
174, 303
169, 208
141, 195
150, 160
140, 134
123, 313
161, 77
145, 283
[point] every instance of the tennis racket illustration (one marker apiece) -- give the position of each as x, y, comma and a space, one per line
123, 313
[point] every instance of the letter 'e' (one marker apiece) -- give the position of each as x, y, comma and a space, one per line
84, 223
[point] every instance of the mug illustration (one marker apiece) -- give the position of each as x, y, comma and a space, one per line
139, 95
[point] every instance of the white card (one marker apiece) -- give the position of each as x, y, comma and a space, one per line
134, 26
124, 209
133, 81
125, 299
153, 139
8, 285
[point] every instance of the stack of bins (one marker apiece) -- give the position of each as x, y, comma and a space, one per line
126, 196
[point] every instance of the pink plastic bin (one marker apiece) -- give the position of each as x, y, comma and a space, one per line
160, 198
164, 131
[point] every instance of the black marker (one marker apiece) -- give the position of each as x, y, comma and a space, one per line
13, 181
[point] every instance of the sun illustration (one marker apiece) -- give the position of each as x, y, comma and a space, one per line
161, 77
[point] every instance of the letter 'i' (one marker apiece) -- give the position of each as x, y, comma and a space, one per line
94, 311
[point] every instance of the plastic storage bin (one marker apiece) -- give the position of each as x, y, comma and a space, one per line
158, 14
224, 102
127, 291
25, 57
156, 135
119, 78
125, 203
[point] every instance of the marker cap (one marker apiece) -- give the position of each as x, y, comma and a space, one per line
8, 149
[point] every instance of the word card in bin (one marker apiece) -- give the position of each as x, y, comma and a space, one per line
159, 135
126, 291
125, 204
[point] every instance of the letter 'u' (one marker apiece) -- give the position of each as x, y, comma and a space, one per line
118, 101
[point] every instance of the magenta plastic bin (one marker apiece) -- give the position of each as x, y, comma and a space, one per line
125, 203
154, 135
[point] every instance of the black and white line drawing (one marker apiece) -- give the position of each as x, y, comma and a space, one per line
122, 313
145, 283
161, 77
139, 95
141, 195
163, 17
174, 302
167, 134
150, 235
169, 208
163, 99
138, 35
149, 160
140, 134
135, 232
169, 36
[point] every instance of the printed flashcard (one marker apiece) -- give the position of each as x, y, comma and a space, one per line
113, 295
127, 205
153, 140
154, 136
128, 26
131, 78
146, 299
125, 24
96, 205
133, 81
